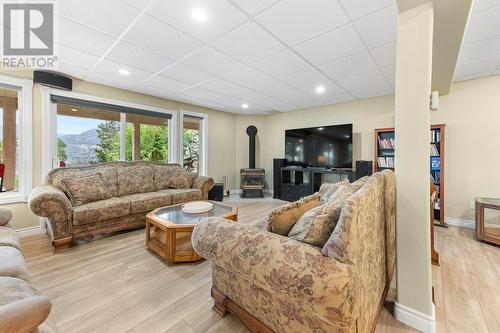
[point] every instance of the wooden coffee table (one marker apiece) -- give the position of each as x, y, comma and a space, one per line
169, 230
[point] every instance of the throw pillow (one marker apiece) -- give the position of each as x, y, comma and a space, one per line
327, 190
164, 174
336, 245
181, 179
283, 218
82, 190
316, 225
135, 179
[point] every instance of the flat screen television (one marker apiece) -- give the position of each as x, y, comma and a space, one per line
326, 146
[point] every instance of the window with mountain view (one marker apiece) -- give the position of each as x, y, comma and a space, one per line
146, 138
89, 136
86, 136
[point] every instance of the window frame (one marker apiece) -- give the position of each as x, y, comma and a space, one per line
25, 153
49, 124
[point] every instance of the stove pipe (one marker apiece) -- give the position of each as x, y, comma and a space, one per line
252, 132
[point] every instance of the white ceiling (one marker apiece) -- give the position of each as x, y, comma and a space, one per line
269, 54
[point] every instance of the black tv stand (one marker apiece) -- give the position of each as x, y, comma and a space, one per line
298, 182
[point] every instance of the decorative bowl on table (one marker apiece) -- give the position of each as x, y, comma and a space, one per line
197, 207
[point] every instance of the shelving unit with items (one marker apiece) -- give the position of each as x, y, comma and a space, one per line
385, 144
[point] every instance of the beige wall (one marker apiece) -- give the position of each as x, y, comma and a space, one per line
472, 116
221, 143
470, 112
472, 139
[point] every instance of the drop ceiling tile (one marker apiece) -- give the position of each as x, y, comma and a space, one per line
477, 69
108, 80
280, 64
359, 8
140, 4
152, 34
222, 17
183, 73
307, 80
166, 83
361, 62
479, 50
212, 61
110, 16
110, 69
378, 28
459, 76
79, 58
238, 92
254, 7
480, 5
483, 25
72, 70
264, 84
333, 45
389, 72
384, 55
295, 21
137, 57
248, 43
366, 84
82, 38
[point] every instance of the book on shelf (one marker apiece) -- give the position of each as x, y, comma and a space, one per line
386, 162
436, 135
387, 143
434, 150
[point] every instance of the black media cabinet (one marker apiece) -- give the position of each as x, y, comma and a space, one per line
298, 182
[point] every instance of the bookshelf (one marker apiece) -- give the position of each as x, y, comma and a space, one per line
384, 159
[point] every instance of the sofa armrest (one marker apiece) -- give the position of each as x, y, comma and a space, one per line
204, 184
50, 202
320, 286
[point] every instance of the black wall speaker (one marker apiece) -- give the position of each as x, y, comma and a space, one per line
363, 168
278, 163
53, 80
217, 192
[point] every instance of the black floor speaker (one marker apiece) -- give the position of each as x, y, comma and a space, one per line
217, 192
363, 168
278, 163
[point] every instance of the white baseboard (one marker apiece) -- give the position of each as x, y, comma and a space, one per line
459, 222
415, 319
31, 231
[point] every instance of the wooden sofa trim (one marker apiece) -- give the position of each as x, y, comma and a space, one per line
223, 305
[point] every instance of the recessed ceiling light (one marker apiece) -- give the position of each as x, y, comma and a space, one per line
320, 128
244, 106
320, 89
74, 110
199, 15
124, 72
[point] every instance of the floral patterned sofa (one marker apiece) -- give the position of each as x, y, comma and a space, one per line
275, 283
80, 202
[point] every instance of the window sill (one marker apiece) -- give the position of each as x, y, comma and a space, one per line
9, 198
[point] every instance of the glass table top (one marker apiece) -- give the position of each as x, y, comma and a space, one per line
175, 215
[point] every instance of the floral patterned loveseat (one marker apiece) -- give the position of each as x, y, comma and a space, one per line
80, 202
275, 283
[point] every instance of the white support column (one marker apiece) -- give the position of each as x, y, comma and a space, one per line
413, 86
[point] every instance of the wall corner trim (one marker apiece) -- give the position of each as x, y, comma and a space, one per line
460, 222
415, 319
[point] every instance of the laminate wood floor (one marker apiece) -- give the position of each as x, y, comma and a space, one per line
113, 284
